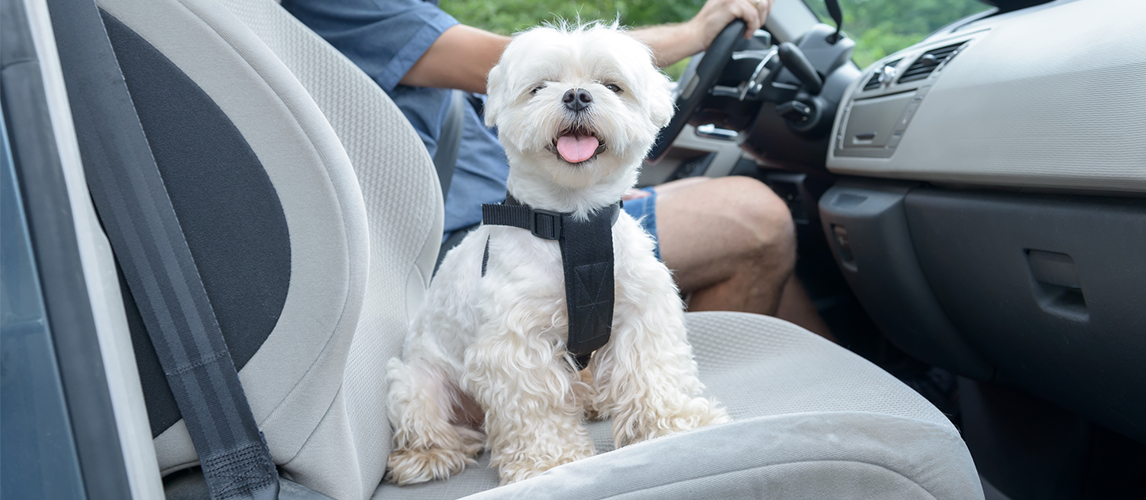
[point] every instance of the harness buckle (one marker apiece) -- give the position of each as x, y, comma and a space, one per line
545, 224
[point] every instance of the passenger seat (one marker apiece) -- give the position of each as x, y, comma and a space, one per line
349, 200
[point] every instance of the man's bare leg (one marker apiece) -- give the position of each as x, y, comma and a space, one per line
796, 307
730, 242
731, 245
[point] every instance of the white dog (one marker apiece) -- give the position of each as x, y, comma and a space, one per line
500, 338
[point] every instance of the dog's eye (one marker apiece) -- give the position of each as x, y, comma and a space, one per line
537, 88
614, 87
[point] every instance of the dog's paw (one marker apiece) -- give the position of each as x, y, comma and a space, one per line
713, 413
472, 442
513, 472
696, 413
418, 466
586, 395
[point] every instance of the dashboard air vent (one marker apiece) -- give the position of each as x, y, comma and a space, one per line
884, 74
927, 63
873, 83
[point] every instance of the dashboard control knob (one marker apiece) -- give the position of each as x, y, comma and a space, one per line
886, 75
795, 111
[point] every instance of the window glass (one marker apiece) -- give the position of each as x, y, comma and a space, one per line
882, 27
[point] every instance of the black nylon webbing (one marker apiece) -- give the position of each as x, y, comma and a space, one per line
149, 245
587, 262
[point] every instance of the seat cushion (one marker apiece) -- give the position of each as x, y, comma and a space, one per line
812, 420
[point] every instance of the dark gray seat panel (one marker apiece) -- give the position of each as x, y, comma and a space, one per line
228, 210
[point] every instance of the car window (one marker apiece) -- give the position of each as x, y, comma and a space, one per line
508, 16
882, 27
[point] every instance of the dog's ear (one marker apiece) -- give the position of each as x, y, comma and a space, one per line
661, 104
494, 89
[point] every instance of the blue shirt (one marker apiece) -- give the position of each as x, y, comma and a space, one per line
385, 38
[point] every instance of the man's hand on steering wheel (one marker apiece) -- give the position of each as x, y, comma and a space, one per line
673, 42
716, 14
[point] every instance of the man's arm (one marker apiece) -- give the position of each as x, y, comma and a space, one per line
462, 56
460, 59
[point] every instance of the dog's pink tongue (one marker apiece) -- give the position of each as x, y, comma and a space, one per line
575, 148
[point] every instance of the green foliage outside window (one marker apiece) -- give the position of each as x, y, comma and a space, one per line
880, 27
509, 16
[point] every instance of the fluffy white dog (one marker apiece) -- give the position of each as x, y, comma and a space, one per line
500, 338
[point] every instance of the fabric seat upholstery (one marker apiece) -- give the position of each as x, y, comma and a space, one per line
812, 420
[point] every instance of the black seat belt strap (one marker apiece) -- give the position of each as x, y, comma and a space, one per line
586, 260
149, 245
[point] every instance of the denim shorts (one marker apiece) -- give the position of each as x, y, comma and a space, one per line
645, 211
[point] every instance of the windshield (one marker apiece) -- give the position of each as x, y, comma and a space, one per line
882, 27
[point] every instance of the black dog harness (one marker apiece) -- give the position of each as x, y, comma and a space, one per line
586, 258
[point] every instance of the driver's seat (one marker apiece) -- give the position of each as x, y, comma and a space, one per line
812, 420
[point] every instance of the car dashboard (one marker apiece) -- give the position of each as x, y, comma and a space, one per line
1032, 98
990, 214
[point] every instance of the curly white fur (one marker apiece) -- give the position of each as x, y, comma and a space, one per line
501, 338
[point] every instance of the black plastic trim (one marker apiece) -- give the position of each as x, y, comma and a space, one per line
450, 139
37, 448
878, 260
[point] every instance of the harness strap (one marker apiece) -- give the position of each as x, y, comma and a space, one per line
587, 262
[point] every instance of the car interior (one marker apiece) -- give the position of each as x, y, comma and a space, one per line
970, 215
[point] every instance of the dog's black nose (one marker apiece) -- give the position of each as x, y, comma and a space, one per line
577, 99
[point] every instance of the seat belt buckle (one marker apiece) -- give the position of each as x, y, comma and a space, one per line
545, 224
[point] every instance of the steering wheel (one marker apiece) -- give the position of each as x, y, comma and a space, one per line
693, 86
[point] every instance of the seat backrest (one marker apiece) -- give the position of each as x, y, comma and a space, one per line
405, 215
314, 258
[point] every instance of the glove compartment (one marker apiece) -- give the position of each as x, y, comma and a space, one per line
1051, 289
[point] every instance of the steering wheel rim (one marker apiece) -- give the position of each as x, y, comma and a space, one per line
692, 89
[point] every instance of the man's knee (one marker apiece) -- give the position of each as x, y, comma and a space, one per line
767, 219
